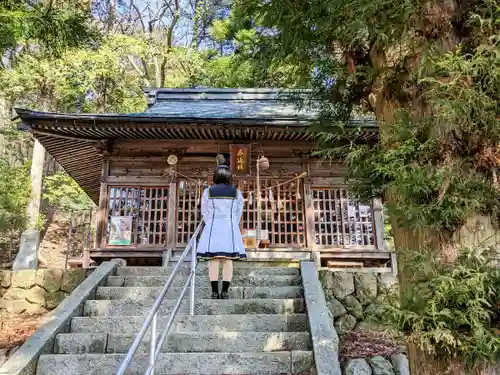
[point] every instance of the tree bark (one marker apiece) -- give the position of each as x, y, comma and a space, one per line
36, 184
477, 231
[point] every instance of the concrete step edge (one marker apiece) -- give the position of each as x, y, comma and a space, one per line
204, 306
129, 325
192, 342
290, 362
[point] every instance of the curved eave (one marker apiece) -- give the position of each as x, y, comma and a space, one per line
73, 139
146, 118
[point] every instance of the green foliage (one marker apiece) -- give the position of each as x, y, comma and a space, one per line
454, 309
54, 28
428, 195
64, 194
428, 72
14, 195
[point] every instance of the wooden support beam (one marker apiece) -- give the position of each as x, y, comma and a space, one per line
103, 207
378, 221
309, 210
172, 215
332, 263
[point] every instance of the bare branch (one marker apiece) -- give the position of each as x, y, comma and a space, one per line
139, 15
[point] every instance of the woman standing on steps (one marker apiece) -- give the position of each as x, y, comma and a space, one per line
221, 241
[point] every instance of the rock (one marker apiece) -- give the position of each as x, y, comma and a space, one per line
120, 261
5, 277
381, 366
24, 279
21, 306
54, 299
325, 278
345, 324
36, 295
353, 306
342, 284
49, 279
357, 366
366, 287
336, 308
400, 364
71, 279
386, 281
14, 293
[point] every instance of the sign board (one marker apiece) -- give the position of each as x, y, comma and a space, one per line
240, 159
121, 230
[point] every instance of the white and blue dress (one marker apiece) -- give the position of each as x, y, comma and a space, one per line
221, 208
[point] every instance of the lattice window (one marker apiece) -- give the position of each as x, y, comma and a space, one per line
281, 214
148, 208
341, 221
281, 211
188, 209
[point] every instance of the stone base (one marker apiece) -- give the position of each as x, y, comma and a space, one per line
27, 257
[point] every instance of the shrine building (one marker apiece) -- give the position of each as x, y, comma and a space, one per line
146, 172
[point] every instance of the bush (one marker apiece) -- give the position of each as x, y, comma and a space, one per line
453, 309
64, 194
14, 195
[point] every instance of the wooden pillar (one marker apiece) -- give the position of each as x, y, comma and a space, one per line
378, 220
172, 215
102, 211
36, 184
309, 210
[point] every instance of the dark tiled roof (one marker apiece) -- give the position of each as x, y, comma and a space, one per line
223, 104
240, 115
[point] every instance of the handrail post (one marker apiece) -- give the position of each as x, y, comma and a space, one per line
193, 279
152, 344
152, 318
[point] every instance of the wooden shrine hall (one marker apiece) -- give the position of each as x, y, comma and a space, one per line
146, 172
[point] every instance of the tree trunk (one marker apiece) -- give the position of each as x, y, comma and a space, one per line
478, 230
36, 184
111, 16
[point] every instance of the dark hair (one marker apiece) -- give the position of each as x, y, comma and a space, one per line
222, 175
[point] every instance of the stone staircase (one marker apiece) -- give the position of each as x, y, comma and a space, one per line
262, 329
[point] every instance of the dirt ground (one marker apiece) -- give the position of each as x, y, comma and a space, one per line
15, 330
363, 343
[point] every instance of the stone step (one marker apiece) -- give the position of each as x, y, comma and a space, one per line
251, 269
202, 307
145, 293
202, 280
130, 325
295, 362
265, 256
187, 342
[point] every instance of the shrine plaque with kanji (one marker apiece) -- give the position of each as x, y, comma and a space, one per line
240, 159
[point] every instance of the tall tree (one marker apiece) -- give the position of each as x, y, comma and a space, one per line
43, 27
428, 72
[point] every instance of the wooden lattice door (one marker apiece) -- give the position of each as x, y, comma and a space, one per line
340, 221
282, 210
188, 209
148, 207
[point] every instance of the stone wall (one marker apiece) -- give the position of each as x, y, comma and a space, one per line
351, 297
36, 291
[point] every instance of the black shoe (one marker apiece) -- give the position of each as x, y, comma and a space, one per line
224, 295
215, 295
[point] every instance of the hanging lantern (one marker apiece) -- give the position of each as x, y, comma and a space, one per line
263, 163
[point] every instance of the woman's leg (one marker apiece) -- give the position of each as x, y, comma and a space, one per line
213, 276
227, 276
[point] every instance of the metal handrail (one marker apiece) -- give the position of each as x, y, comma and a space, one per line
152, 318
